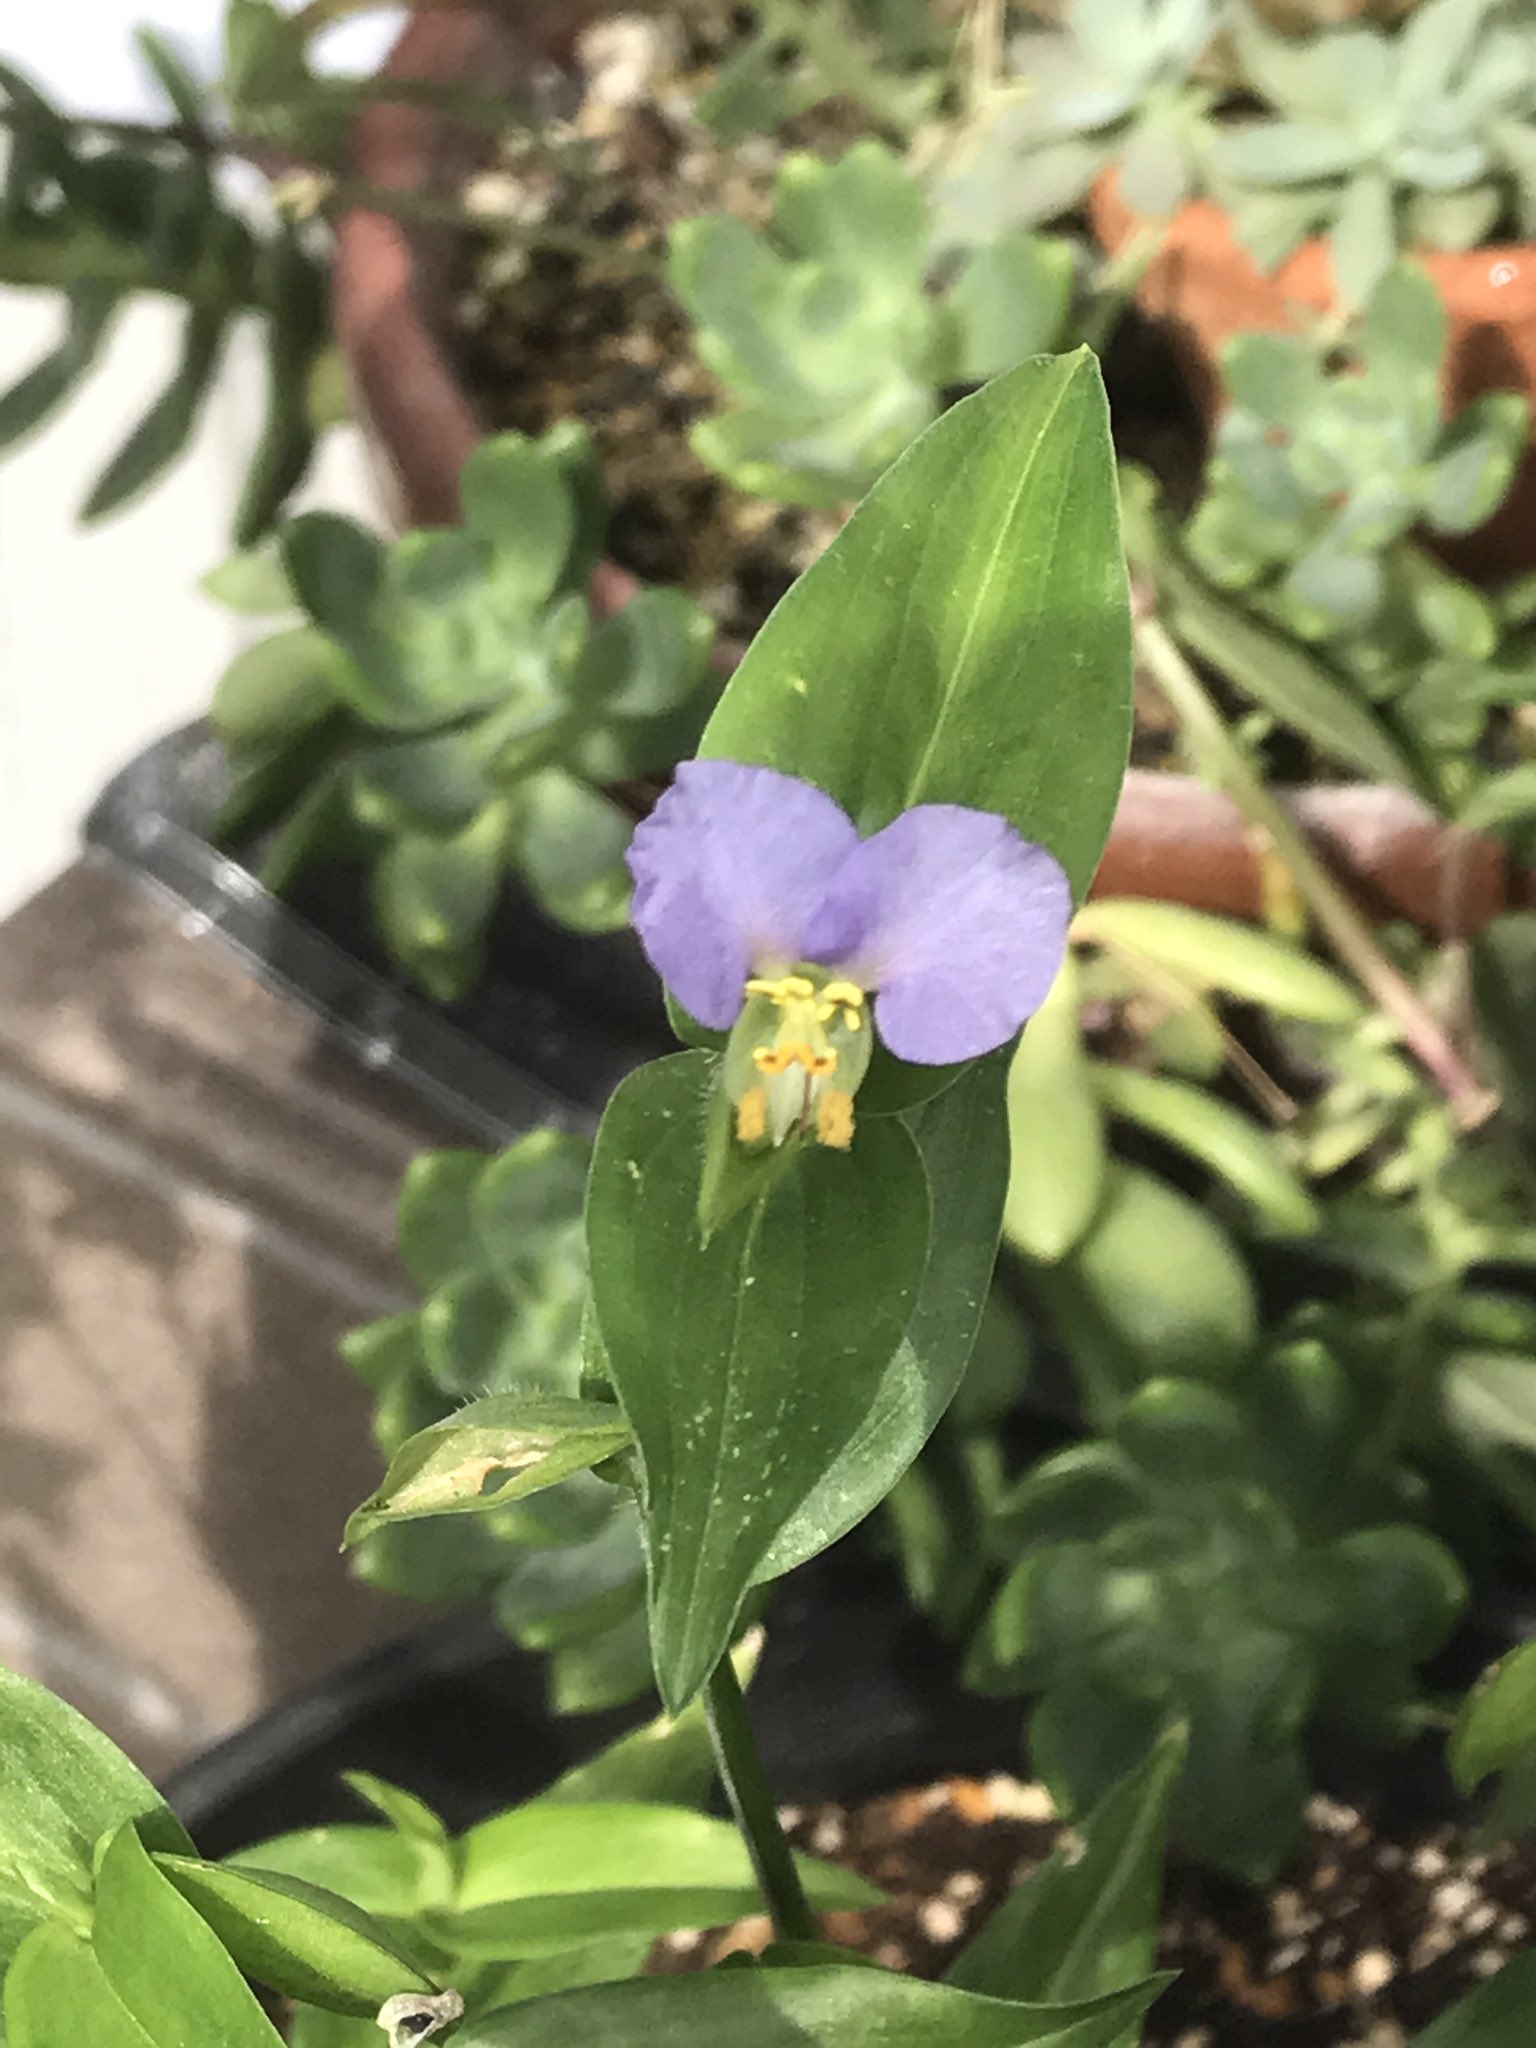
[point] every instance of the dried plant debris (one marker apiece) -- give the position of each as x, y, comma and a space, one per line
1372, 1933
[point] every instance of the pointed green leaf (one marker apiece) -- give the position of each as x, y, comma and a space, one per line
66, 1785
296, 1938
164, 431
1086, 1923
966, 638
1496, 2015
57, 1996
826, 2006
1056, 1131
1496, 1725
49, 382
747, 1374
1231, 1145
164, 1962
489, 1453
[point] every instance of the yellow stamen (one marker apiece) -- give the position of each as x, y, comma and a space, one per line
834, 1119
846, 996
752, 1116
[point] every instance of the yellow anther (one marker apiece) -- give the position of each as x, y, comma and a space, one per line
778, 1059
789, 988
752, 1116
834, 1119
846, 996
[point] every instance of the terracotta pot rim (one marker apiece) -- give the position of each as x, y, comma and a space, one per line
1174, 838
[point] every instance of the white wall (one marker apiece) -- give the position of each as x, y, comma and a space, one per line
104, 640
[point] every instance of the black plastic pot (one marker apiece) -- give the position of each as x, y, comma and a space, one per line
853, 1697
557, 1022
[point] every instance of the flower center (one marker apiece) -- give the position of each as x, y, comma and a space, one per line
804, 1013
798, 1052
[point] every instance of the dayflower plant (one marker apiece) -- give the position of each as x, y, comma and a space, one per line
768, 915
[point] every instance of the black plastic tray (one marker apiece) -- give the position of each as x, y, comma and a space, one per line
556, 1024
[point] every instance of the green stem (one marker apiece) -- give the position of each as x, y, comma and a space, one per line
1346, 930
747, 1788
52, 263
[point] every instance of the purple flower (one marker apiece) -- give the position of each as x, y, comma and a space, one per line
758, 903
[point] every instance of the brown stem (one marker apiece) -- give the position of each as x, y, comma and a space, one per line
1341, 923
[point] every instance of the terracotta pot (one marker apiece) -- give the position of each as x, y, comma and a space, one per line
1206, 288
1173, 838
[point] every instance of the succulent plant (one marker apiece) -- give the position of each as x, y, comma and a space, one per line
497, 1247
1319, 471
1113, 83
1224, 1559
1420, 134
449, 709
826, 335
103, 218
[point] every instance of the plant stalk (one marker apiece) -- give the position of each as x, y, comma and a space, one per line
1342, 924
747, 1788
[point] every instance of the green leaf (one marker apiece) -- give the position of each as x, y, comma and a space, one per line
1283, 678
407, 1814
297, 306
1490, 1398
1476, 461
188, 100
515, 496
1086, 1923
376, 1869
434, 895
1011, 302
966, 638
90, 307
65, 1786
827, 2007
164, 1962
1496, 2015
1232, 1146
751, 1371
1496, 1724
164, 431
667, 1762
515, 1200
962, 1135
57, 1996
648, 658
1205, 952
251, 580
296, 1938
545, 1851
489, 1453
436, 1215
1364, 238
1503, 800
1056, 1130
274, 690
336, 570
1504, 982
1155, 1287
569, 843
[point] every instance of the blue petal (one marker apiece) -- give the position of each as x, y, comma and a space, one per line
957, 920
730, 869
